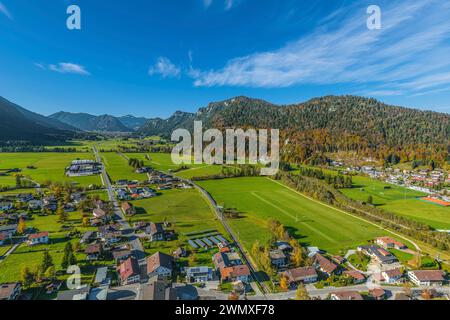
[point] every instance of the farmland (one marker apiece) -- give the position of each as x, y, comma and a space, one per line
118, 168
260, 199
43, 167
186, 211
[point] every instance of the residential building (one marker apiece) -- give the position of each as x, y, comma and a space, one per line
426, 277
8, 230
324, 265
10, 291
392, 276
38, 238
235, 273
377, 293
128, 209
304, 275
93, 251
129, 271
155, 231
378, 254
355, 275
278, 258
5, 206
199, 274
346, 295
75, 294
389, 243
159, 264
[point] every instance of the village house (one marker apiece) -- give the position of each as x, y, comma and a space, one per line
235, 273
199, 274
159, 264
157, 290
303, 274
129, 271
155, 232
101, 277
392, 276
88, 237
389, 243
226, 258
426, 277
79, 294
128, 209
355, 275
6, 205
38, 238
35, 204
278, 258
99, 214
324, 265
378, 254
121, 254
8, 230
10, 291
377, 293
346, 295
93, 251
24, 197
3, 239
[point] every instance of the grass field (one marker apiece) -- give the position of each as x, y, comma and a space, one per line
259, 199
118, 168
187, 211
11, 267
49, 166
399, 200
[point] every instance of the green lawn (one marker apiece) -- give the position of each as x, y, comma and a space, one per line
187, 211
117, 168
49, 166
259, 199
399, 200
359, 261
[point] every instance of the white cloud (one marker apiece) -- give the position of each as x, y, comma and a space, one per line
165, 68
207, 3
408, 54
64, 67
229, 4
5, 11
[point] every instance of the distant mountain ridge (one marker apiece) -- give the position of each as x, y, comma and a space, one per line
20, 124
362, 119
88, 122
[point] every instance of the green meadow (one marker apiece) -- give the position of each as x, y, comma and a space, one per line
48, 166
117, 167
188, 212
399, 200
314, 224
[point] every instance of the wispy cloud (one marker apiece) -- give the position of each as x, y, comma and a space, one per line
5, 11
165, 68
409, 53
64, 67
227, 4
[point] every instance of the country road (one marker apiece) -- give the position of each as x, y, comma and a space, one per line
135, 243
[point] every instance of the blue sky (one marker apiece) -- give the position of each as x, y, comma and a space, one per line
153, 57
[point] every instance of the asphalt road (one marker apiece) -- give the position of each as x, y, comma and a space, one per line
136, 245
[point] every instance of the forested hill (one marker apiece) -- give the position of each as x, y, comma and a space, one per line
330, 123
19, 124
88, 122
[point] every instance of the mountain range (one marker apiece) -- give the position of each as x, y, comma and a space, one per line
329, 123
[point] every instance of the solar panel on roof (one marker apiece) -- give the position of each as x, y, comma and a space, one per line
193, 244
209, 243
200, 243
221, 238
214, 240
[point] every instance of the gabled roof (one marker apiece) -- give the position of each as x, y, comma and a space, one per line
348, 295
428, 275
299, 274
129, 268
7, 289
355, 274
325, 264
38, 235
158, 260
